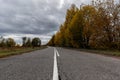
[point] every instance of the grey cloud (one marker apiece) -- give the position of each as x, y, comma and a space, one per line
36, 17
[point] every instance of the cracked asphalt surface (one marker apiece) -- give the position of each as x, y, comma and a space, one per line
72, 65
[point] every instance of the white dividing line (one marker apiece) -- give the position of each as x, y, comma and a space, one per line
55, 67
56, 52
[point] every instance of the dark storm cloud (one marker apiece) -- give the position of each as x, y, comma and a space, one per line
35, 17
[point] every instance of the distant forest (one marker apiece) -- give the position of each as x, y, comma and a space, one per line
26, 42
96, 26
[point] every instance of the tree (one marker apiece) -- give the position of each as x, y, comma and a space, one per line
91, 26
75, 30
89, 13
24, 39
57, 39
28, 42
10, 42
36, 42
107, 23
52, 41
62, 36
2, 42
69, 16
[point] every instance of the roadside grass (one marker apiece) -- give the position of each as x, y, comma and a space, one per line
17, 51
107, 52
103, 52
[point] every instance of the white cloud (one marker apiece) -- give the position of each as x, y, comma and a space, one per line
61, 4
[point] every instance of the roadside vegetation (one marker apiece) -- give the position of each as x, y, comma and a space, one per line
9, 47
103, 52
93, 26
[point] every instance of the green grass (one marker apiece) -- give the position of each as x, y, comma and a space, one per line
104, 52
17, 51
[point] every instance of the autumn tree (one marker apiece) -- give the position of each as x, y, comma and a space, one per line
90, 26
69, 16
76, 30
59, 39
89, 13
62, 36
107, 23
52, 41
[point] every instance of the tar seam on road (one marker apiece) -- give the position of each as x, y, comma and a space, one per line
55, 67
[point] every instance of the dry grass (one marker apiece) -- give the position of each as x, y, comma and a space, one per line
104, 52
16, 51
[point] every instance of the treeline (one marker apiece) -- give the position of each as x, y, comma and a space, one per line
35, 42
91, 26
26, 42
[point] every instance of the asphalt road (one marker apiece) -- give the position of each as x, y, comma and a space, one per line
72, 65
37, 65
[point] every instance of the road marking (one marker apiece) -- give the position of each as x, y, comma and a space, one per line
55, 67
56, 52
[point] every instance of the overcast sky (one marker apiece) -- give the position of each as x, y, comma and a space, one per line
33, 18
